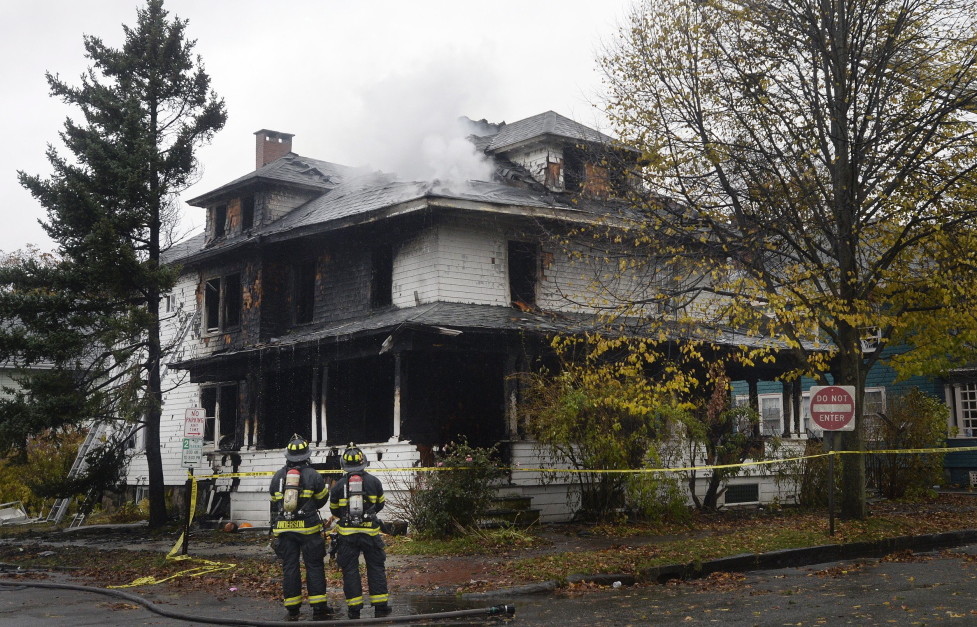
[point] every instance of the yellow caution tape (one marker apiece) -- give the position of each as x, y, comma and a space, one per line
764, 462
207, 566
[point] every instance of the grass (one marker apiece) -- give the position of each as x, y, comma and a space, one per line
474, 542
720, 536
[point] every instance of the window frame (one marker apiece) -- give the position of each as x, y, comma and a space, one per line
381, 276
228, 298
220, 221
523, 270
215, 416
303, 288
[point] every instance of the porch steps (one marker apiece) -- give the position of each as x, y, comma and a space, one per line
511, 510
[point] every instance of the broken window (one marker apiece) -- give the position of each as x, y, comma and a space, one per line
382, 277
222, 303
554, 173
220, 403
359, 400
598, 182
303, 291
288, 403
220, 221
523, 273
247, 212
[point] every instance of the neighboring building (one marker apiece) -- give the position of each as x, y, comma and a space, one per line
346, 305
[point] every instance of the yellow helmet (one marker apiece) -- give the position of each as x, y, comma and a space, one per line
298, 449
353, 459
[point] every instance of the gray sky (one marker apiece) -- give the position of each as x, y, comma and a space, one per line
357, 82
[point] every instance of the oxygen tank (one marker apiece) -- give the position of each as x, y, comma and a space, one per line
290, 503
355, 500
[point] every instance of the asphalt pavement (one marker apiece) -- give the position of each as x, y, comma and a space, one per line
909, 589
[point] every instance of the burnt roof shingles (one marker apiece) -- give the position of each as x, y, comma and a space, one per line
549, 123
291, 169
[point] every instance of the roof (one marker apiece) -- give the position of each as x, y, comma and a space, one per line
549, 123
366, 194
466, 318
359, 196
292, 169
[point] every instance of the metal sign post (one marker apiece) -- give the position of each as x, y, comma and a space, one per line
194, 423
829, 437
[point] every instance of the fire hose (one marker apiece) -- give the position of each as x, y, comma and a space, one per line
496, 610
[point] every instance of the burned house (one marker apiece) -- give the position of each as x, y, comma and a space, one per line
348, 305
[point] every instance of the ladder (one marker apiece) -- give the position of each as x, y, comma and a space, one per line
60, 507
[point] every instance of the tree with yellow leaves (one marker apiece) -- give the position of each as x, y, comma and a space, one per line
818, 160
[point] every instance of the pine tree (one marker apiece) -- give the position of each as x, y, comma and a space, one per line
94, 314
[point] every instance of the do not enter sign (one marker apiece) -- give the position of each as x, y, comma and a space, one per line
833, 407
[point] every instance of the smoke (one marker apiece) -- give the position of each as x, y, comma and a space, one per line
408, 123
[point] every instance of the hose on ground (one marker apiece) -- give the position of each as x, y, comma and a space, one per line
495, 610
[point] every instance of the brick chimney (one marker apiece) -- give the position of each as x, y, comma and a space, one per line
271, 145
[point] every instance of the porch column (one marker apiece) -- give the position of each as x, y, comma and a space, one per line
754, 393
323, 397
796, 398
316, 404
398, 363
510, 387
787, 402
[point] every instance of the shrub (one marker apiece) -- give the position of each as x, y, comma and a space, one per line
49, 458
455, 498
916, 420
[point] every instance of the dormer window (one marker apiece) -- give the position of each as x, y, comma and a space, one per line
220, 221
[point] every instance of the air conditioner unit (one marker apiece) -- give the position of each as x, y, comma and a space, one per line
871, 339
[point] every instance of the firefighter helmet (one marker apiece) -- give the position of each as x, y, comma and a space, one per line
354, 460
298, 449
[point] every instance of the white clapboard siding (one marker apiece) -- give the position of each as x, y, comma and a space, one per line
415, 278
471, 262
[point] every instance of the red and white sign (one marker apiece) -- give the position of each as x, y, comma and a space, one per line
833, 407
194, 421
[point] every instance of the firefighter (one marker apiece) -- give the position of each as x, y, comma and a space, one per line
355, 500
297, 493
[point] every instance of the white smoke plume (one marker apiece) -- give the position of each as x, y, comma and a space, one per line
408, 124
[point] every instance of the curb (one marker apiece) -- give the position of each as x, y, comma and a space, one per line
746, 562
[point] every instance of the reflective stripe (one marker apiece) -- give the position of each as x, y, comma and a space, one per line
322, 495
277, 496
355, 601
379, 598
318, 598
290, 601
340, 503
281, 527
348, 531
305, 493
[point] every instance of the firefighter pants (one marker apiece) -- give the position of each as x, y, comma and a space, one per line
348, 558
312, 548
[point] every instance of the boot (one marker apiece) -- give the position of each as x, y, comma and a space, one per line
353, 613
381, 609
292, 614
321, 611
